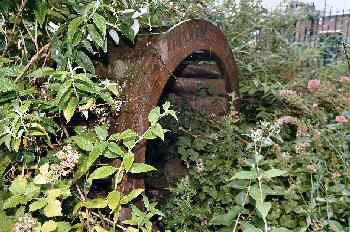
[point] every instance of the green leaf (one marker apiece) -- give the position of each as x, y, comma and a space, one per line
263, 208
227, 219
70, 109
84, 142
141, 168
256, 194
158, 130
273, 173
73, 28
96, 152
63, 227
19, 185
113, 200
53, 208
131, 196
95, 35
39, 204
154, 115
49, 226
128, 161
42, 72
97, 203
84, 61
102, 172
247, 227
245, 175
116, 149
41, 11
100, 23
14, 201
101, 132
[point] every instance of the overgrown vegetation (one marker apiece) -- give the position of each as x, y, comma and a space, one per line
283, 167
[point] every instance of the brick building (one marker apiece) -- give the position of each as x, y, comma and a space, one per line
318, 25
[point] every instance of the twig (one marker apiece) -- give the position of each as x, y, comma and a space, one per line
33, 60
87, 211
18, 18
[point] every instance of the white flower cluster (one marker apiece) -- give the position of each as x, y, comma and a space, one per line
69, 158
24, 224
264, 132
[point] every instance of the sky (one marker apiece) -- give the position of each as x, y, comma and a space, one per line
335, 4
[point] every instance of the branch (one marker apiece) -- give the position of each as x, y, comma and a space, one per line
33, 60
18, 19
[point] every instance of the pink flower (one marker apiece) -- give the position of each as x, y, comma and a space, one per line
287, 93
344, 79
286, 120
313, 85
341, 119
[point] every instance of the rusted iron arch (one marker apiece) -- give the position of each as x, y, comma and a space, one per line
148, 65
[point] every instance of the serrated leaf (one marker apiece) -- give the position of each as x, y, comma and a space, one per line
39, 204
97, 203
100, 23
154, 115
95, 35
53, 208
96, 152
113, 200
101, 132
141, 168
273, 173
73, 28
84, 142
128, 161
71, 108
116, 149
42, 72
14, 201
84, 61
131, 196
102, 172
49, 226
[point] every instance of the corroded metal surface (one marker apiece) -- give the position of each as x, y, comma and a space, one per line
147, 66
